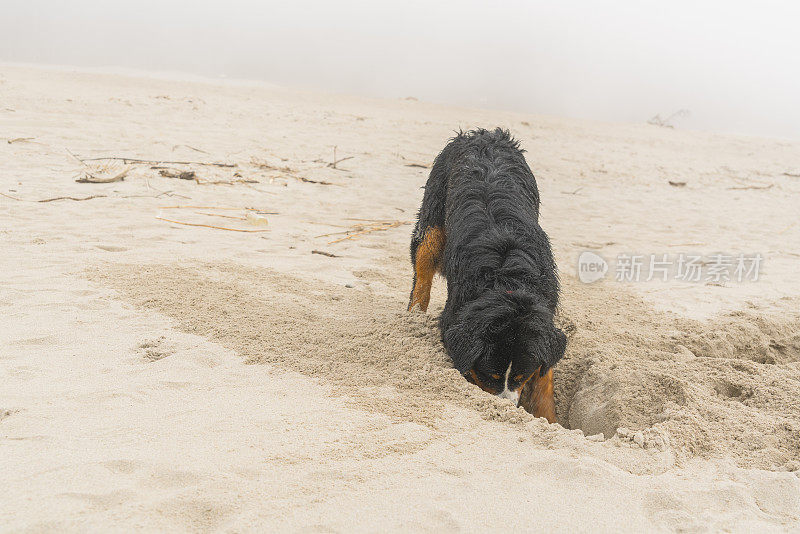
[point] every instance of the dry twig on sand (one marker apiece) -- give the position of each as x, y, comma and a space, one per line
366, 229
224, 182
218, 208
77, 199
190, 147
221, 215
15, 198
310, 181
290, 172
335, 161
764, 186
211, 226
20, 140
156, 162
575, 192
71, 198
89, 178
323, 253
181, 175
676, 184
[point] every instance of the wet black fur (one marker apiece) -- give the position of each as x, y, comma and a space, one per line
502, 286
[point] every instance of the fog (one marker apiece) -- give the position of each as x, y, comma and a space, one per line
734, 67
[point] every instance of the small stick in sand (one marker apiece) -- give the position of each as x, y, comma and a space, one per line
198, 208
20, 140
224, 182
217, 208
765, 186
221, 215
335, 162
89, 178
572, 192
323, 253
310, 181
211, 226
71, 198
349, 230
377, 228
191, 148
53, 199
155, 162
181, 175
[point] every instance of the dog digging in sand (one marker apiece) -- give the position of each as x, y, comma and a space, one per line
478, 226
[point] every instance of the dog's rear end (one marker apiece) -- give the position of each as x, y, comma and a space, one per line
478, 226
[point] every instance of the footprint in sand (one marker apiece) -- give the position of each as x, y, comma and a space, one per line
155, 349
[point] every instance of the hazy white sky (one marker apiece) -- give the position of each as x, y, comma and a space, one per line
734, 65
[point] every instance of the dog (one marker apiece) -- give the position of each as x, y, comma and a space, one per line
478, 227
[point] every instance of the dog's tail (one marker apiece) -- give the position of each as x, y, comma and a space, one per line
496, 313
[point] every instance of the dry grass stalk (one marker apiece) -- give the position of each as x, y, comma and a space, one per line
764, 186
156, 162
366, 229
211, 226
221, 215
200, 181
77, 199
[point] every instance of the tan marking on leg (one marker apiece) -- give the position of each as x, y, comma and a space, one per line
428, 262
537, 397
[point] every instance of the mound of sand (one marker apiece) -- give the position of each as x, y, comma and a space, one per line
725, 386
669, 383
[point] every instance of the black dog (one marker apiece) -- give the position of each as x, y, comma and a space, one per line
478, 226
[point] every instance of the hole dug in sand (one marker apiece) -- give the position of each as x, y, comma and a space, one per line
720, 388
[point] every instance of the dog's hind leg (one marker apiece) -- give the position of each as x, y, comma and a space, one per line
427, 241
538, 399
427, 254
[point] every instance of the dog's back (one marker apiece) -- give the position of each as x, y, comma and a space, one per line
494, 240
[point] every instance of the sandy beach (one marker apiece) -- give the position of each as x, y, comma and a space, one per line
161, 370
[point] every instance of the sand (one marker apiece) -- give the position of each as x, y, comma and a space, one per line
169, 377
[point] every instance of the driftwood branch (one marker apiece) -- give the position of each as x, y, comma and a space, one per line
90, 178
